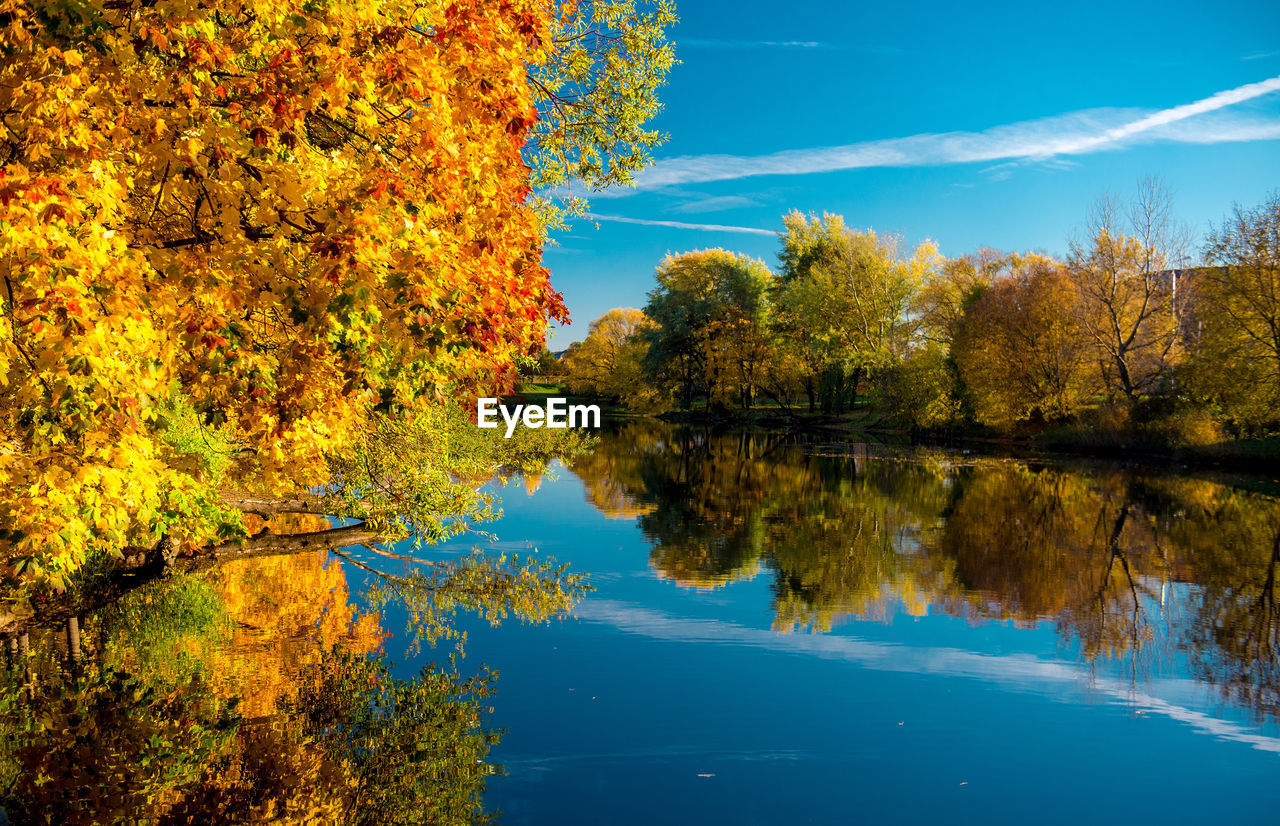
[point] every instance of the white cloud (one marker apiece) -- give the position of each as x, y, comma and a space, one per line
749, 44
715, 203
1221, 100
680, 224
1076, 133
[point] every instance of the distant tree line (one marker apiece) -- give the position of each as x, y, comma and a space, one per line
1130, 331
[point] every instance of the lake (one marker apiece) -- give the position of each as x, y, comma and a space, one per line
781, 630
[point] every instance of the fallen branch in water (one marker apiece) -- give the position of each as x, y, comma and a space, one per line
144, 565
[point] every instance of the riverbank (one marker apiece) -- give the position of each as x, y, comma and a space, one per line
1260, 455
1154, 446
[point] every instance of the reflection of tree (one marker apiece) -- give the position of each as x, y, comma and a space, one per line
286, 611
1114, 621
254, 693
697, 497
1129, 567
414, 748
1032, 545
1240, 651
102, 745
846, 542
613, 474
720, 506
1232, 542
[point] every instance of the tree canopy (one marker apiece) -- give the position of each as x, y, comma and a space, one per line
1122, 340
708, 309
1238, 315
279, 222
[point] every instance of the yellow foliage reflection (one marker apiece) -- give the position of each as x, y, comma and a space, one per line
1128, 566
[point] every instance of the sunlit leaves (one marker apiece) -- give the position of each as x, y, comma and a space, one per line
283, 218
1021, 351
422, 475
709, 312
608, 362
595, 94
1237, 361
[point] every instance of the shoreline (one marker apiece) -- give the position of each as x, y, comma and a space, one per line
1260, 457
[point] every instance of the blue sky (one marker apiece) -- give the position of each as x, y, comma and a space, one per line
979, 124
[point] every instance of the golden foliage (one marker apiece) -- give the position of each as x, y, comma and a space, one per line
1021, 351
608, 362
283, 214
286, 611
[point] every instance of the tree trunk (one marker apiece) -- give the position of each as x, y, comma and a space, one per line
1122, 372
853, 388
73, 638
265, 506
269, 544
142, 566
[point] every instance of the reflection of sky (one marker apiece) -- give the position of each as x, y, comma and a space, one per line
1018, 671
617, 714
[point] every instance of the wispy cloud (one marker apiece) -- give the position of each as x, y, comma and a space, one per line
1221, 100
715, 203
1077, 133
680, 224
1261, 55
750, 44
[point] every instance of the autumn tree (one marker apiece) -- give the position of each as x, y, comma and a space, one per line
950, 289
1021, 351
292, 221
710, 312
921, 390
847, 297
805, 341
926, 389
1237, 314
1128, 303
609, 362
597, 90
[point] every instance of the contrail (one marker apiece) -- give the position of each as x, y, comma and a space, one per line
1076, 133
680, 224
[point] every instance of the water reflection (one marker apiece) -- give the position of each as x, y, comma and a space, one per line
255, 693
1144, 574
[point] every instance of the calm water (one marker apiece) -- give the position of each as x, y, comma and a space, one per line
778, 633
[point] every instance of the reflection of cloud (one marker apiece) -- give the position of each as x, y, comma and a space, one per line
1014, 670
680, 225
1077, 133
